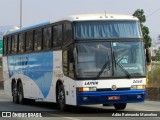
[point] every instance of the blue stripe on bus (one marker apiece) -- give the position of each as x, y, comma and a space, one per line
128, 96
36, 66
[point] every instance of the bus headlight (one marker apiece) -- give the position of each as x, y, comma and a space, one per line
138, 87
86, 89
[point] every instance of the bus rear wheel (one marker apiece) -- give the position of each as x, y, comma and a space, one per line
61, 98
15, 93
20, 94
120, 106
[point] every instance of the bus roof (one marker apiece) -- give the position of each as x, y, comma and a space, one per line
82, 17
85, 17
27, 28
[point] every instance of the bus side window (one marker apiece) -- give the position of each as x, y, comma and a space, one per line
29, 41
9, 45
68, 65
21, 42
71, 62
47, 38
5, 46
14, 44
38, 40
57, 36
67, 33
65, 62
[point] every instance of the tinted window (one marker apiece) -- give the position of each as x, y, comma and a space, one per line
65, 62
9, 45
5, 46
94, 60
106, 29
14, 44
47, 37
21, 42
67, 33
68, 62
29, 41
57, 36
38, 40
126, 56
12, 49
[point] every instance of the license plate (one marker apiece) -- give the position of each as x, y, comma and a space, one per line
113, 97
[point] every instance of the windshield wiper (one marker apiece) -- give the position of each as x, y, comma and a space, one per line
124, 70
122, 67
102, 69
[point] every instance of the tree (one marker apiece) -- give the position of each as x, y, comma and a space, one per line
139, 13
157, 54
158, 37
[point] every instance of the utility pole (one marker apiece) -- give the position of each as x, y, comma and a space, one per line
20, 13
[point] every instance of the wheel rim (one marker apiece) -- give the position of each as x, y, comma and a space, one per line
20, 97
61, 98
14, 94
20, 94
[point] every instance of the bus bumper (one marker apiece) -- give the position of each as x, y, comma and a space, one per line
130, 96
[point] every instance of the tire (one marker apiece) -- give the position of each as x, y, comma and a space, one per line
15, 93
29, 101
107, 104
120, 106
61, 98
20, 94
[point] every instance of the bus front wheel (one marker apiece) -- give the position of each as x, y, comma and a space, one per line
120, 106
61, 98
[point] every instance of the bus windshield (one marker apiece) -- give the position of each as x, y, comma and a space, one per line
106, 29
110, 59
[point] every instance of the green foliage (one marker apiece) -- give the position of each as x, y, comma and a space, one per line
157, 55
145, 30
154, 77
139, 13
148, 41
158, 37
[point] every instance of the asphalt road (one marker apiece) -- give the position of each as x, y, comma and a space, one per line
92, 112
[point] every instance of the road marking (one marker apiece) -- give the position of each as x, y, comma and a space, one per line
70, 118
142, 109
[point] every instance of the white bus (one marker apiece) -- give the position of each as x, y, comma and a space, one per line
79, 60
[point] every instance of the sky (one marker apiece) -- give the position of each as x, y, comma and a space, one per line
39, 11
